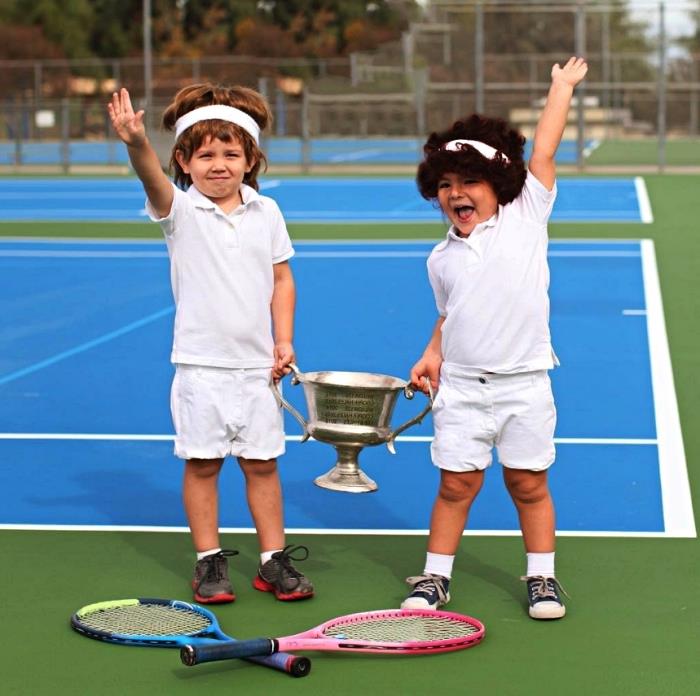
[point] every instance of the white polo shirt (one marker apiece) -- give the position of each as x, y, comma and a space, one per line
491, 287
222, 277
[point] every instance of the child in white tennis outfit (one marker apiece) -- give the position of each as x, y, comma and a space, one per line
234, 300
490, 349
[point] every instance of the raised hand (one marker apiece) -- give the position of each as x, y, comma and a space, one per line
572, 73
127, 124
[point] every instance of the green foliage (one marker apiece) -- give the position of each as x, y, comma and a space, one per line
111, 29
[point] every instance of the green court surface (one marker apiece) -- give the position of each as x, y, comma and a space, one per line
633, 621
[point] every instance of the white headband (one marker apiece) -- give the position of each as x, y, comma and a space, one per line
220, 112
483, 149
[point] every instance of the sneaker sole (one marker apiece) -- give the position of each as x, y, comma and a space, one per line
264, 586
222, 598
553, 611
418, 603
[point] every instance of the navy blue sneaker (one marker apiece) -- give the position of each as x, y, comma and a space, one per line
543, 597
427, 592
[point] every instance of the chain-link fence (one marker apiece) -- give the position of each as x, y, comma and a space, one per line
639, 106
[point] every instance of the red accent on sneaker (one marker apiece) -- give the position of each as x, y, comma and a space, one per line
264, 586
221, 598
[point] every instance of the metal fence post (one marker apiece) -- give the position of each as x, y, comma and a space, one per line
479, 57
661, 112
580, 91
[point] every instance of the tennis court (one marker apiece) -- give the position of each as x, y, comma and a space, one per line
87, 458
311, 199
620, 429
280, 150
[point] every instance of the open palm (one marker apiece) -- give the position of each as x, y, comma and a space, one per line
127, 124
573, 71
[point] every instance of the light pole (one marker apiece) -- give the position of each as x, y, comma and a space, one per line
147, 63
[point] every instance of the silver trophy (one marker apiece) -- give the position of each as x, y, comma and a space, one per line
350, 410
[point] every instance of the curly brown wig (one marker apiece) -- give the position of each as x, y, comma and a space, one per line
506, 178
206, 94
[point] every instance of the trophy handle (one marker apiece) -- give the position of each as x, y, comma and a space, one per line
409, 393
281, 401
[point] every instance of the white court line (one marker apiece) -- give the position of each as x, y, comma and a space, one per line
133, 437
679, 520
643, 197
314, 531
46, 253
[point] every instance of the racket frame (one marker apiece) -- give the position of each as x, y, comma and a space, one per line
292, 664
315, 639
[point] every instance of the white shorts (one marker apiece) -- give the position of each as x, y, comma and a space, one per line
472, 414
220, 411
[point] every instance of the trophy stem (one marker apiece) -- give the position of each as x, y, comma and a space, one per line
346, 475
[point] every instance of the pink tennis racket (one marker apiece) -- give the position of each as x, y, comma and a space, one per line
389, 632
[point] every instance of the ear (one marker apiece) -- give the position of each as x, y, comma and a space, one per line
251, 164
180, 157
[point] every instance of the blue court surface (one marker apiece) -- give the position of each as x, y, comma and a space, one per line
85, 378
310, 199
279, 151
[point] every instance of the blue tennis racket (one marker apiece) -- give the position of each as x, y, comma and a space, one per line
167, 623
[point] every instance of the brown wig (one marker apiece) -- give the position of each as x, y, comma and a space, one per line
506, 178
206, 94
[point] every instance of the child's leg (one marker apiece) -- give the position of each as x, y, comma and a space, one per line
451, 508
449, 517
530, 493
264, 494
276, 573
200, 496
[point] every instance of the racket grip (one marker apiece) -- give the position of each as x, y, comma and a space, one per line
294, 665
196, 654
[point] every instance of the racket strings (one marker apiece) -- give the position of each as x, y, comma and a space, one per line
403, 629
147, 619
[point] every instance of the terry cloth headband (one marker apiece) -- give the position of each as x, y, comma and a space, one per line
220, 112
482, 148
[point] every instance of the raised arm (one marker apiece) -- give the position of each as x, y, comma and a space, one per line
132, 132
550, 127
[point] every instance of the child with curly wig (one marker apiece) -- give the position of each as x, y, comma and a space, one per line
490, 351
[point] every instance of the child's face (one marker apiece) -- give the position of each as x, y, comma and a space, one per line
466, 202
217, 169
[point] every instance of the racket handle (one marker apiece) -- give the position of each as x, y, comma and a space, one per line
294, 665
196, 654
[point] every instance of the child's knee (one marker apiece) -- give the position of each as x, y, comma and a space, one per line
526, 486
460, 487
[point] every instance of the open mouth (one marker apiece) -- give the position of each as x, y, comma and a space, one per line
464, 212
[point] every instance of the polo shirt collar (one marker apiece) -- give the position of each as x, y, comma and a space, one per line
478, 230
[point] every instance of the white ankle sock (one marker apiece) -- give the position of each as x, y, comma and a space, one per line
540, 564
265, 556
204, 554
439, 564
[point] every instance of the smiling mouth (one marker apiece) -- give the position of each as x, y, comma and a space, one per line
464, 212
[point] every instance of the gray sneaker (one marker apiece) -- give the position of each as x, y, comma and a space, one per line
210, 583
278, 575
427, 592
543, 597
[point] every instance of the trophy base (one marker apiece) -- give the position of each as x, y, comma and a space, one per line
337, 480
346, 476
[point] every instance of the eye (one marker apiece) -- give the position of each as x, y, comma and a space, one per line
443, 184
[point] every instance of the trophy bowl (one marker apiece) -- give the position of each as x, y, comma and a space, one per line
350, 411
